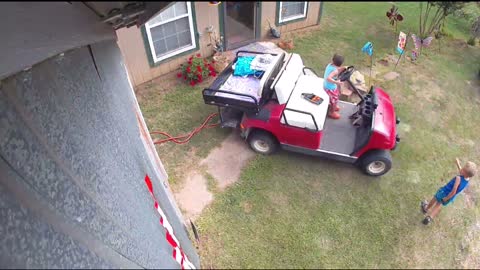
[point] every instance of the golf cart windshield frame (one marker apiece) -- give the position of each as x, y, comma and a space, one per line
363, 144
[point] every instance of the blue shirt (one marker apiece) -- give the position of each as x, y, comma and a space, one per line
449, 186
326, 84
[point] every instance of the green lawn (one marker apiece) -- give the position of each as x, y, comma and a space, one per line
178, 112
294, 211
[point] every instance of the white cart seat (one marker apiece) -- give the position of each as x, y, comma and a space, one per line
307, 84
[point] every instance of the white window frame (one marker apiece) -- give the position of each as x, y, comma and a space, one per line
280, 17
175, 52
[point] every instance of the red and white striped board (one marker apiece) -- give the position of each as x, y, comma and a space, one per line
178, 254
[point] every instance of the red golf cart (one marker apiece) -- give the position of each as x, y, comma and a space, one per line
271, 111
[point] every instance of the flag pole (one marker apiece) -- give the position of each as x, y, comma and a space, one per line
403, 51
368, 49
371, 67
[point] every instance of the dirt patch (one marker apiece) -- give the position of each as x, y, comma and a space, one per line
390, 76
162, 84
225, 163
471, 196
390, 59
466, 142
460, 43
247, 207
413, 177
194, 195
316, 185
404, 127
469, 199
383, 62
471, 243
278, 199
427, 90
180, 170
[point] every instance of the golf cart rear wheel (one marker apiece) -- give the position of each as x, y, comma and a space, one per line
262, 142
376, 163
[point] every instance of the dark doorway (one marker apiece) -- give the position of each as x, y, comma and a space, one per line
240, 21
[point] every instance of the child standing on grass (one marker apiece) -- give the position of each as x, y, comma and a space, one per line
446, 194
332, 85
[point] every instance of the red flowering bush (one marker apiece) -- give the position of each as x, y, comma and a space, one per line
196, 70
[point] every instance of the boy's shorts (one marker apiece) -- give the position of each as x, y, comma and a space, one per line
440, 195
334, 95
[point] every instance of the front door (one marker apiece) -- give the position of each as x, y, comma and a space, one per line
240, 23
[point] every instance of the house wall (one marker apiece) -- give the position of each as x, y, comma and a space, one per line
131, 44
74, 152
269, 13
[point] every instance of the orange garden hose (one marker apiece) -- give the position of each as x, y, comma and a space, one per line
185, 138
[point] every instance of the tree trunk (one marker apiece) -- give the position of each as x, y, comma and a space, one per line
420, 23
425, 19
436, 21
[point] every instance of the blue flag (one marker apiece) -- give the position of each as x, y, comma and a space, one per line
368, 48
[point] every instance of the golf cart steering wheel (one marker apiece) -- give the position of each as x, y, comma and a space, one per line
345, 75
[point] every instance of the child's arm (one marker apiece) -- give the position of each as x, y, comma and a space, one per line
454, 189
458, 164
331, 79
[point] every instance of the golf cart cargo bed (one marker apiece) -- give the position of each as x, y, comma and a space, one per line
243, 93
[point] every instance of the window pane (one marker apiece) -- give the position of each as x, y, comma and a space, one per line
292, 9
161, 17
180, 8
172, 43
172, 36
157, 33
154, 20
182, 25
160, 47
177, 9
168, 13
184, 39
169, 29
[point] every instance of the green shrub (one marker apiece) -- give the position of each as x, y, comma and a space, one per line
445, 33
196, 70
471, 41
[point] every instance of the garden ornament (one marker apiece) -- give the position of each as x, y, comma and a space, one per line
420, 43
368, 48
274, 32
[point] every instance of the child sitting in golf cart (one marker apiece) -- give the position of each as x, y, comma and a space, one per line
332, 85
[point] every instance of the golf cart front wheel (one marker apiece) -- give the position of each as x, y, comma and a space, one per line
262, 142
376, 163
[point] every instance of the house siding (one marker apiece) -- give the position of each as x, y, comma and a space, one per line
140, 70
269, 13
131, 44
